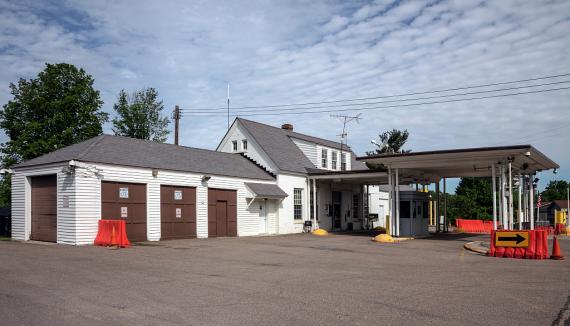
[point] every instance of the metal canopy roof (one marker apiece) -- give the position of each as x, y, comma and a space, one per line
430, 166
266, 190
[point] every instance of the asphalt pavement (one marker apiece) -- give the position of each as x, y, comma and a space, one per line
281, 280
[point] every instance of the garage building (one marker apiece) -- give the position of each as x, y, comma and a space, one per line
162, 191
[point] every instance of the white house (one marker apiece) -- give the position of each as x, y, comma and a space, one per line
260, 180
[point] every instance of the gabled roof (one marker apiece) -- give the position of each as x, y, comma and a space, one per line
147, 154
277, 144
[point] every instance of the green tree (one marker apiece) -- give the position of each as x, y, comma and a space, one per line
555, 190
56, 109
473, 199
391, 142
139, 116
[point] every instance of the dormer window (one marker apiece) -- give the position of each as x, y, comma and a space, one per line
334, 160
324, 159
234, 146
244, 145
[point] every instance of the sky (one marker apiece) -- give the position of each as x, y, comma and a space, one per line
280, 52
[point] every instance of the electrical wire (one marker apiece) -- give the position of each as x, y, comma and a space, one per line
398, 95
387, 106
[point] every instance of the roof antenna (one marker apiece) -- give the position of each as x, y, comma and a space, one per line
343, 136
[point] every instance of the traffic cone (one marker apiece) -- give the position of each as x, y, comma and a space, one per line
556, 252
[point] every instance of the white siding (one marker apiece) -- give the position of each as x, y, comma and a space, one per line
319, 150
310, 151
238, 133
286, 223
248, 222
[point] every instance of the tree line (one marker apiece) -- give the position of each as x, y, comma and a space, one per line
60, 107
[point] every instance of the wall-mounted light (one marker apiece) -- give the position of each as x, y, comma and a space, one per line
6, 171
205, 178
555, 171
155, 173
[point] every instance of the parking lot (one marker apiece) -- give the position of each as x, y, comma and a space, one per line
283, 280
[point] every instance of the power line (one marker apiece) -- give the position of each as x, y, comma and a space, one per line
400, 95
393, 101
394, 106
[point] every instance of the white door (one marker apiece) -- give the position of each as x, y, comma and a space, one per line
263, 216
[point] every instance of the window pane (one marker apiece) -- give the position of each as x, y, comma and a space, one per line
324, 157
244, 144
298, 203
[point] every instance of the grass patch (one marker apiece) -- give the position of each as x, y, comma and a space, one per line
2, 238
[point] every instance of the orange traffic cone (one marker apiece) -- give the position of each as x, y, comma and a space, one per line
556, 252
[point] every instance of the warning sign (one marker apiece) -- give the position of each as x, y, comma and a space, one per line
177, 194
179, 213
518, 239
124, 212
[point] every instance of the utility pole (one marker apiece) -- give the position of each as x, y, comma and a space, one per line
176, 118
346, 120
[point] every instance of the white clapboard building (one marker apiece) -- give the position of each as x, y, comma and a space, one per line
260, 180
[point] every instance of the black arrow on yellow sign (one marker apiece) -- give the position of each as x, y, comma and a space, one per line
518, 238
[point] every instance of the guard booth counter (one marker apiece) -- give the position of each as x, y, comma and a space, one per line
414, 213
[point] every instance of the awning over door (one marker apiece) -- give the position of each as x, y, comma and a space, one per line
265, 190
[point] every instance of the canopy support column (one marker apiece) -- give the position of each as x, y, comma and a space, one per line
494, 181
437, 208
315, 204
397, 203
511, 213
531, 201
390, 226
520, 214
445, 205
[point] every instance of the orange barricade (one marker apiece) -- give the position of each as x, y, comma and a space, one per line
560, 229
474, 226
112, 233
537, 247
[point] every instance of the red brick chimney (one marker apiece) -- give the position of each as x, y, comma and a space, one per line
287, 126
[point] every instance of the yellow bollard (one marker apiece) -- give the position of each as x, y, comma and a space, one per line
320, 232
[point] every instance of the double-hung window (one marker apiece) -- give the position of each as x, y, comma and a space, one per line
334, 160
324, 158
298, 203
235, 146
343, 162
244, 145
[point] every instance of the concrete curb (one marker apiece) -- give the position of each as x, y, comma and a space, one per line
476, 246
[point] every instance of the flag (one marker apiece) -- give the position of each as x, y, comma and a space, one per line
539, 201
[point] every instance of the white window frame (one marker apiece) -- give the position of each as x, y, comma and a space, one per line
324, 158
234, 145
298, 204
244, 144
334, 160
343, 159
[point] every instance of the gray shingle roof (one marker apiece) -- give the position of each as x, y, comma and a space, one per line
141, 153
266, 190
277, 144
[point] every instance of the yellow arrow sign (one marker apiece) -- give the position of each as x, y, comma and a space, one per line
517, 239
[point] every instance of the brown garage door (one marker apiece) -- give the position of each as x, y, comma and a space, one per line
44, 208
177, 212
125, 201
222, 213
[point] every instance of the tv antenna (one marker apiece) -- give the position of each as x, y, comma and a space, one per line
343, 136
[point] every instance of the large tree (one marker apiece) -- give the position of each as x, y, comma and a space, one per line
391, 142
139, 115
555, 190
58, 108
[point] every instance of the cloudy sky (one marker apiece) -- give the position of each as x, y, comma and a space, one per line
280, 52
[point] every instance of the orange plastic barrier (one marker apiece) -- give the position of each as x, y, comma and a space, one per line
474, 226
112, 233
537, 247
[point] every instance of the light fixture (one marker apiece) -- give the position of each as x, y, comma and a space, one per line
6, 171
155, 172
205, 178
536, 180
555, 171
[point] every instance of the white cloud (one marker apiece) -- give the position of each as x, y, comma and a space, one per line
286, 52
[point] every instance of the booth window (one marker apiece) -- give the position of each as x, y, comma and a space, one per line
324, 157
298, 203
